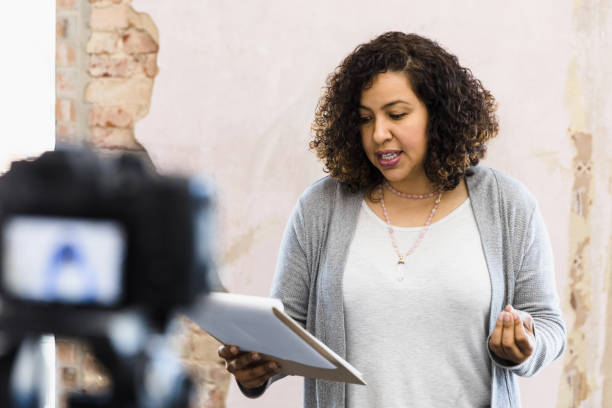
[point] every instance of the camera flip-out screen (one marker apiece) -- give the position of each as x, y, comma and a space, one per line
63, 260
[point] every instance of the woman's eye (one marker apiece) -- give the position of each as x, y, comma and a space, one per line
364, 119
397, 116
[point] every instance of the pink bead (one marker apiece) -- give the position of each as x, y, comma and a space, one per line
406, 195
425, 227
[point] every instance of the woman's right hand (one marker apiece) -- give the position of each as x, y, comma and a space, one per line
250, 370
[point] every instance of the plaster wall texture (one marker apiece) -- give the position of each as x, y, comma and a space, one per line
587, 374
238, 84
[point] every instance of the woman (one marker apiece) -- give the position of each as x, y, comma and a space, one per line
431, 275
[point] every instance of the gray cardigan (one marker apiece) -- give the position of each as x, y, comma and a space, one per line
517, 249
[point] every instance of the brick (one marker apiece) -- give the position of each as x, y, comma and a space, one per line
199, 346
143, 22
198, 352
120, 91
194, 344
149, 62
66, 28
122, 66
216, 398
65, 110
195, 370
61, 27
211, 396
62, 400
114, 138
104, 65
65, 82
66, 4
111, 116
109, 18
95, 376
69, 377
138, 42
102, 42
66, 352
65, 55
67, 140
106, 3
65, 133
206, 372
217, 374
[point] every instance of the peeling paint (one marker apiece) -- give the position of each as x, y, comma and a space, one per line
606, 366
574, 97
578, 382
580, 295
582, 173
241, 246
587, 373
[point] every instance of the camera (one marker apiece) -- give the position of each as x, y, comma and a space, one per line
98, 247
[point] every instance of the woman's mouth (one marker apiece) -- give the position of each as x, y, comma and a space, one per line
389, 159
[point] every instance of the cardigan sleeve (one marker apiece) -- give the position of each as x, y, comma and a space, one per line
291, 283
535, 293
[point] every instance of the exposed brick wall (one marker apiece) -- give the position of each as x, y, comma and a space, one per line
106, 64
77, 369
79, 372
71, 32
198, 352
122, 64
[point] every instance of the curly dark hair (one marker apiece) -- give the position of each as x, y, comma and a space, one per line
461, 111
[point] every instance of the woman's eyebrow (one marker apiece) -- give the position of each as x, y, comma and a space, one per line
387, 105
394, 103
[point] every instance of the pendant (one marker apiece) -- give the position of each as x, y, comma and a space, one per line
401, 269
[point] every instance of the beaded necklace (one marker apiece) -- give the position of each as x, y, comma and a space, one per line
401, 259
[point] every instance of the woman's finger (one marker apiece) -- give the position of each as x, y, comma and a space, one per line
242, 361
496, 337
508, 345
511, 339
258, 382
255, 383
525, 318
257, 376
252, 373
522, 338
508, 340
227, 351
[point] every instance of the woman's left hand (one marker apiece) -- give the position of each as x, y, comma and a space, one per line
512, 338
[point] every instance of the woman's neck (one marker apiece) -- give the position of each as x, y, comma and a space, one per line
420, 184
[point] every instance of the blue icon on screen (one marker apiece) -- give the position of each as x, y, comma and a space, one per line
69, 277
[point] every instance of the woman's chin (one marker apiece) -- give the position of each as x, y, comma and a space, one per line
394, 174
401, 176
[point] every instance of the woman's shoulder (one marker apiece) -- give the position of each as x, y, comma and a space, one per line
324, 190
325, 194
486, 181
324, 187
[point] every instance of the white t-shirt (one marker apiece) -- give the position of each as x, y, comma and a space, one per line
417, 332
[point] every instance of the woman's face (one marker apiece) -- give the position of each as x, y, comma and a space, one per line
393, 128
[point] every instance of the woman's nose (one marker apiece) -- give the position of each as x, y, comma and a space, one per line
381, 132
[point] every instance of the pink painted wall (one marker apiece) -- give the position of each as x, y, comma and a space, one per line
239, 81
